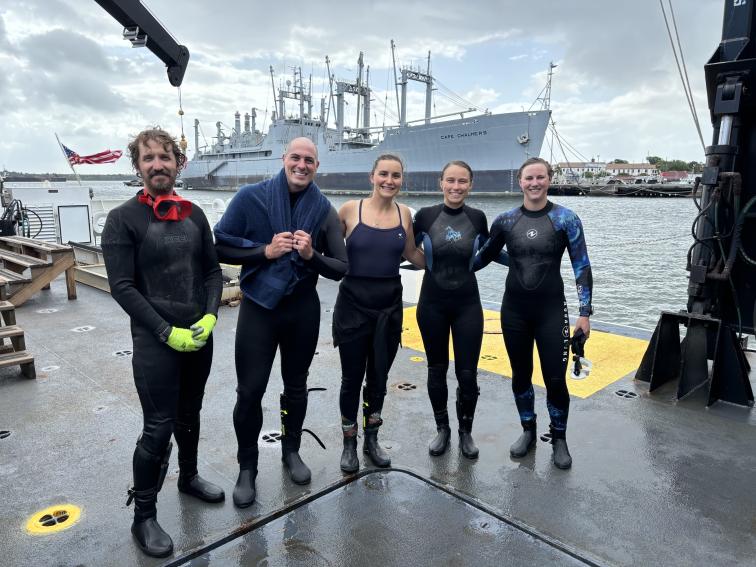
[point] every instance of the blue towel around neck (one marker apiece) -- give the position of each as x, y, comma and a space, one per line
255, 214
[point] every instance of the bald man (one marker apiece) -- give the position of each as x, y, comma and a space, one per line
284, 233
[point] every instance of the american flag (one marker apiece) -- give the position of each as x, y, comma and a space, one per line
107, 156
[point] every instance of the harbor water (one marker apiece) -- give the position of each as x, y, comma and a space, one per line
637, 248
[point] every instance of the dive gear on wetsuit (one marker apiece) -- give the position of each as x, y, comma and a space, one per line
533, 308
280, 313
450, 301
367, 327
171, 207
166, 276
538, 239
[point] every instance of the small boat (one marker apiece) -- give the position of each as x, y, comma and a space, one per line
139, 183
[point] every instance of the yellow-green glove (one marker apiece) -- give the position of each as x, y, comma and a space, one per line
202, 328
183, 340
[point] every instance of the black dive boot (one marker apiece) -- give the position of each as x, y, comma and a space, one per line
465, 414
292, 417
440, 442
244, 491
439, 394
150, 537
561, 455
189, 481
372, 422
349, 461
526, 441
149, 473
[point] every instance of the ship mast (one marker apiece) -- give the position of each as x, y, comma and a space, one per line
363, 96
547, 95
298, 94
330, 92
361, 65
396, 83
409, 74
273, 84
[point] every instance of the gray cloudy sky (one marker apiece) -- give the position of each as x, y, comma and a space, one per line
616, 92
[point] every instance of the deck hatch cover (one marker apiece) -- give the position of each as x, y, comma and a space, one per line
373, 519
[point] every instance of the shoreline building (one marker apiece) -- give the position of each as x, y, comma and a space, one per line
573, 171
632, 169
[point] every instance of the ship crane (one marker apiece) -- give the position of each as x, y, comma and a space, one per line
722, 261
142, 29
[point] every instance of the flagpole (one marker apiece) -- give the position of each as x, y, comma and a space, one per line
67, 161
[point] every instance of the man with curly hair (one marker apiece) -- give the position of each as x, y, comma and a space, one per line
163, 271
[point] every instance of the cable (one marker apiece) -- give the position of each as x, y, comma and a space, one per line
685, 70
181, 112
29, 225
688, 95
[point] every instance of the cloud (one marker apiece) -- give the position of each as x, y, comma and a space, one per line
615, 91
58, 50
5, 45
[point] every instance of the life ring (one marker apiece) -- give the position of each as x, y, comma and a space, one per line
219, 206
98, 223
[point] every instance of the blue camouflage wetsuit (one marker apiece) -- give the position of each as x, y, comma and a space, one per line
533, 307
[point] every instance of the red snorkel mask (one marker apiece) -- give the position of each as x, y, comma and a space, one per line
167, 207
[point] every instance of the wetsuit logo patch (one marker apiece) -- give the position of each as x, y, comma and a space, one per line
175, 238
566, 331
532, 233
452, 235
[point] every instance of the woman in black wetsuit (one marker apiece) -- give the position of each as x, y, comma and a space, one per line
533, 308
451, 233
367, 318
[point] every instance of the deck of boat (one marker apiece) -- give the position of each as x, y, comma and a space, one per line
654, 482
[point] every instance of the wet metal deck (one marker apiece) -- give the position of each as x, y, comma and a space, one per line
388, 518
653, 481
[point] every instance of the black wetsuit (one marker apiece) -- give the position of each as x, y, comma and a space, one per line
292, 325
367, 318
163, 273
533, 307
449, 297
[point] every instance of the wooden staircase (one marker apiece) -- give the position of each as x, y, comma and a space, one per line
26, 267
14, 354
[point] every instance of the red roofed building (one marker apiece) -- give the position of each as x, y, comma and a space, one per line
674, 176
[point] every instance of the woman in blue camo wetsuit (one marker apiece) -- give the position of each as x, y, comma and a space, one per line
451, 233
533, 309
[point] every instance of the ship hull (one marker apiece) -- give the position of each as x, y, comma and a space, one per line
503, 181
494, 146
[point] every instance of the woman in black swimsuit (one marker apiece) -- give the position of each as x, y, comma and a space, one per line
367, 319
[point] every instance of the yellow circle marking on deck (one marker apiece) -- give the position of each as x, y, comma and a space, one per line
416, 358
53, 519
613, 356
